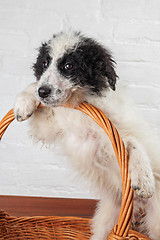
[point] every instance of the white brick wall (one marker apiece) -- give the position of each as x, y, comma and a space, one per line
130, 28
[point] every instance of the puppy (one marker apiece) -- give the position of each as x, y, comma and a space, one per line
71, 68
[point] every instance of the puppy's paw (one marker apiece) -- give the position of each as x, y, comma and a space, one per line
143, 184
24, 107
142, 180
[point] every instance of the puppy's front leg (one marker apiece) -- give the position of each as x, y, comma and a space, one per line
142, 179
26, 103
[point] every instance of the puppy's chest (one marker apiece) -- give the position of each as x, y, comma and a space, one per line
78, 125
87, 146
82, 134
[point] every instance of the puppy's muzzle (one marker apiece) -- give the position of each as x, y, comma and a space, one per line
44, 91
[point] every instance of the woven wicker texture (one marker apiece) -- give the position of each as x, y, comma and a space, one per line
71, 227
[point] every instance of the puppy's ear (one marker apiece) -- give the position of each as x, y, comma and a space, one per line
110, 71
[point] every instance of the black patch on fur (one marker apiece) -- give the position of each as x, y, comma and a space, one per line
43, 57
93, 66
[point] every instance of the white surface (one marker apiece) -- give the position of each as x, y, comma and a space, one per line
131, 29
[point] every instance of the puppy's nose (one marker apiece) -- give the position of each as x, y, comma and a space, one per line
44, 91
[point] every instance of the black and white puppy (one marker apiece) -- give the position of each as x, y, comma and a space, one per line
73, 68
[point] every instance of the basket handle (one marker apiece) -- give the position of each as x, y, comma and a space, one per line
121, 230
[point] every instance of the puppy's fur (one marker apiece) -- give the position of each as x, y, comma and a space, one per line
73, 68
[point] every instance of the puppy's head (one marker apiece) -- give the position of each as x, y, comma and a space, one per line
70, 64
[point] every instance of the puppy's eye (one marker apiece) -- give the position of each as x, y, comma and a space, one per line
68, 66
45, 64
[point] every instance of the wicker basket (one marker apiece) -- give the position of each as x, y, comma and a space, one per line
75, 227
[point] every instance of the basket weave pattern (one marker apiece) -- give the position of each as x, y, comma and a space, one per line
75, 227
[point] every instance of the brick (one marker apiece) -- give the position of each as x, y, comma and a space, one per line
8, 4
13, 20
29, 24
17, 65
13, 42
11, 85
69, 7
152, 116
44, 179
145, 96
139, 73
140, 32
136, 9
99, 31
136, 52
